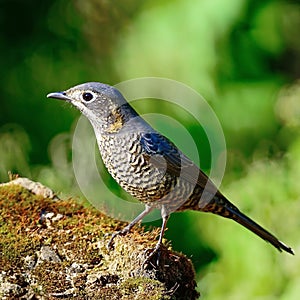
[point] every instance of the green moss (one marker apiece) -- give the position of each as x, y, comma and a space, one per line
58, 248
146, 288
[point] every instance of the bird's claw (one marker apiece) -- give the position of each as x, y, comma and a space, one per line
110, 242
149, 259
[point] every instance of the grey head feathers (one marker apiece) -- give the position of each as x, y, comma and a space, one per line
102, 104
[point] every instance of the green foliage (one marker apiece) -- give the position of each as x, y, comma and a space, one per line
243, 56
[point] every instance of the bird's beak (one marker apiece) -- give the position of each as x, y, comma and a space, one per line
59, 95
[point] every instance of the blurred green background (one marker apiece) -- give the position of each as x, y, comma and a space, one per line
242, 56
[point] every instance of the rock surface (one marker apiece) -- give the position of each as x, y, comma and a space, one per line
54, 249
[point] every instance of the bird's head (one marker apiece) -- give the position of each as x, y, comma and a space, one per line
102, 104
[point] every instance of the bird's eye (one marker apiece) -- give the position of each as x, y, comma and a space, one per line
87, 96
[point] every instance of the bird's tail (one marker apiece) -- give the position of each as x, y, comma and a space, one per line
226, 209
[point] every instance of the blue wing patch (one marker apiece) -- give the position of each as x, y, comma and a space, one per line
158, 147
156, 144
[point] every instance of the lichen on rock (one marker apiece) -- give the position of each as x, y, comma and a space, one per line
52, 248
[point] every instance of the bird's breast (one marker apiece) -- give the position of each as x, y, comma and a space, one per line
131, 167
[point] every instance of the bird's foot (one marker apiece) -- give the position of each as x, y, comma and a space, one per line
120, 232
153, 257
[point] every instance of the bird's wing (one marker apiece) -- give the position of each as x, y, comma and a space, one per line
164, 154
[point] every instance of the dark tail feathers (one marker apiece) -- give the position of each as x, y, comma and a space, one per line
257, 229
224, 208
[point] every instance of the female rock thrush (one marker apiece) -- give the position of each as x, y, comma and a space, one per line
148, 165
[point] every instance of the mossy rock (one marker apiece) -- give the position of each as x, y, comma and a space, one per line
53, 249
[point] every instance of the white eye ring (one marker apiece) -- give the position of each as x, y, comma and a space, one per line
88, 96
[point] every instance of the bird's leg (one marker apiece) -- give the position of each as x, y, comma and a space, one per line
126, 229
162, 231
156, 250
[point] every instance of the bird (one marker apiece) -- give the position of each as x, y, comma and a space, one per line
148, 166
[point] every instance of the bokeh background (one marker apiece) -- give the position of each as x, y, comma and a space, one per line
242, 56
